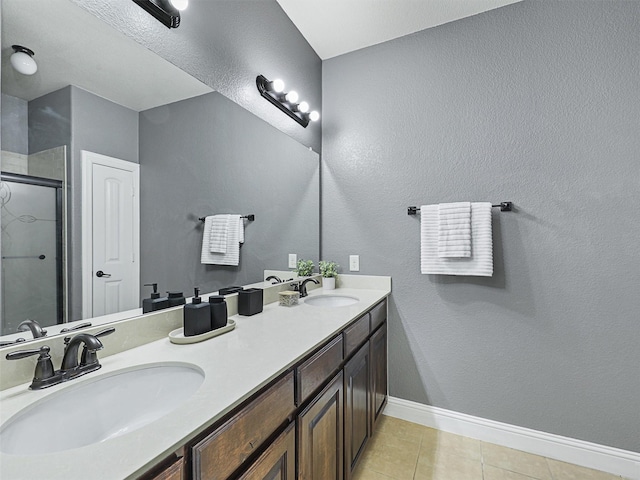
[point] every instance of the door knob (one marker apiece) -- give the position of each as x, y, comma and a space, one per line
101, 274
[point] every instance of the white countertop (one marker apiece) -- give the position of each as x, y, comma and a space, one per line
235, 365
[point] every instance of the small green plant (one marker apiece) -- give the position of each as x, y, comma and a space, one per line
328, 269
304, 268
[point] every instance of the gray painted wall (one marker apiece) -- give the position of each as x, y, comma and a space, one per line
50, 121
72, 116
535, 103
14, 125
207, 155
100, 126
226, 44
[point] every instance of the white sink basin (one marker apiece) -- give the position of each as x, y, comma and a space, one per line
95, 411
331, 300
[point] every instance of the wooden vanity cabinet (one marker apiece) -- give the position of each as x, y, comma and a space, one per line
378, 348
320, 430
225, 450
172, 469
357, 409
278, 462
312, 423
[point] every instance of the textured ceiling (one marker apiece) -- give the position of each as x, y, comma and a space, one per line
73, 47
335, 27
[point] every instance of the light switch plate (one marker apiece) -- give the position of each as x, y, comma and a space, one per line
354, 263
293, 260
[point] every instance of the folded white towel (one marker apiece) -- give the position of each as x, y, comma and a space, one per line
218, 233
454, 230
232, 255
480, 263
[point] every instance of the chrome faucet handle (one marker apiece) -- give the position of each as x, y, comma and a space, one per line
89, 356
44, 375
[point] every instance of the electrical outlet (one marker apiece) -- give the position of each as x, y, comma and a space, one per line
354, 263
293, 260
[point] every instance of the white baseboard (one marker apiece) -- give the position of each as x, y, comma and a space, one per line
591, 455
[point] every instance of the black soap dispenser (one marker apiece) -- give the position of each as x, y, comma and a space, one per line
197, 316
156, 302
218, 311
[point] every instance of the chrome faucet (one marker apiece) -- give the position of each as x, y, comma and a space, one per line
36, 329
302, 286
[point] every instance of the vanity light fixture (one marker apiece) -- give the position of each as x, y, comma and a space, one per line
287, 102
22, 60
166, 11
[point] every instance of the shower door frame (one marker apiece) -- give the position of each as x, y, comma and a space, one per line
58, 185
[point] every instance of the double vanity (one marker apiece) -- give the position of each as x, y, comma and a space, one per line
292, 391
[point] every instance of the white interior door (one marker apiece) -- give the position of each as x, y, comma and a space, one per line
111, 259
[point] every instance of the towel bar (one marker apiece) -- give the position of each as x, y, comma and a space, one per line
251, 217
504, 207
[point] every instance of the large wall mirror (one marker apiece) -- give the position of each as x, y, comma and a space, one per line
103, 107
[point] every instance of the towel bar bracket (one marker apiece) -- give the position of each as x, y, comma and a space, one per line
504, 207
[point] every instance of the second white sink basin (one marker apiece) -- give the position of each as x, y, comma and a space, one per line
331, 300
95, 411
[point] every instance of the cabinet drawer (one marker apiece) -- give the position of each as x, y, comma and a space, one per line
315, 371
222, 452
378, 314
355, 334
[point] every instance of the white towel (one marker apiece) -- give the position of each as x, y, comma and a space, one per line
240, 229
481, 261
454, 230
218, 234
232, 255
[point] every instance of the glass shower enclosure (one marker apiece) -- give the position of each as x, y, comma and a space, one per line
32, 250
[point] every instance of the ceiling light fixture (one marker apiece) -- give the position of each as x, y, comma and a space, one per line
180, 4
287, 102
166, 11
22, 60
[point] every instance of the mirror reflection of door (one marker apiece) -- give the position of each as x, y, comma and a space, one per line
111, 264
31, 251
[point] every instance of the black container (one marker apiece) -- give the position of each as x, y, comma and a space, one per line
197, 317
229, 290
176, 298
218, 311
250, 301
156, 302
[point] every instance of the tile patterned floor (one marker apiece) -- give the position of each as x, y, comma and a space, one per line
401, 450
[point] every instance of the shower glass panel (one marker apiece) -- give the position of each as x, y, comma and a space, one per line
31, 251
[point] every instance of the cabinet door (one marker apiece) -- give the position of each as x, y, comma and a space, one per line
357, 391
224, 451
278, 462
320, 454
378, 373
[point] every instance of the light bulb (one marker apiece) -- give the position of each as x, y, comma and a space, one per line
292, 96
22, 60
303, 107
277, 85
314, 116
180, 4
